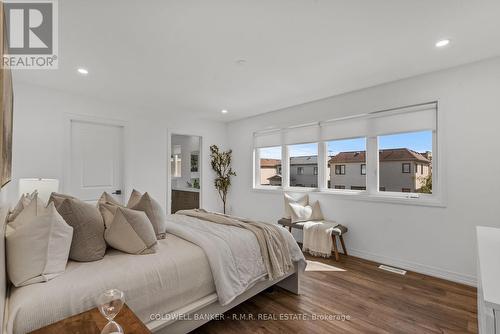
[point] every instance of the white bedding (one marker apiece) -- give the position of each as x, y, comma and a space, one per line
233, 253
178, 274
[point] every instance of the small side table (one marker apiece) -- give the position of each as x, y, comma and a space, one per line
285, 222
92, 322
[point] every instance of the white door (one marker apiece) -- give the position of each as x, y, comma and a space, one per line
96, 158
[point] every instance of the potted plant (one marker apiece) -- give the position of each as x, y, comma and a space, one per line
221, 164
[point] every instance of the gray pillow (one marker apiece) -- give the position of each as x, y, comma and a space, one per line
130, 231
88, 242
155, 213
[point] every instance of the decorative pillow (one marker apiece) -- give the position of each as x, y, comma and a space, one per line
302, 200
24, 201
31, 209
154, 212
107, 198
130, 231
58, 198
38, 248
135, 197
301, 213
108, 211
88, 235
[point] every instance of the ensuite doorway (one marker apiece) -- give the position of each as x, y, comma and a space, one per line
185, 172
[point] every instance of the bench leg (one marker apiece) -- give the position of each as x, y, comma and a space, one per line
335, 249
343, 244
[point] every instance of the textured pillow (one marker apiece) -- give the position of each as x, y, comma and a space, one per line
154, 212
107, 198
302, 200
130, 231
58, 198
301, 213
135, 197
38, 248
88, 228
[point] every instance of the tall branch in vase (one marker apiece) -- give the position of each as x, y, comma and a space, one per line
221, 164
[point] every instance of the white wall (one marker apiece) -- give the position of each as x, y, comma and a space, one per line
434, 240
39, 134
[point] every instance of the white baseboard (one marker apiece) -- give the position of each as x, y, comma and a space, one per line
416, 267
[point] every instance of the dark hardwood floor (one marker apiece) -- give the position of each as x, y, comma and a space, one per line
364, 298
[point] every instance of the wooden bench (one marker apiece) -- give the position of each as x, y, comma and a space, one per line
285, 222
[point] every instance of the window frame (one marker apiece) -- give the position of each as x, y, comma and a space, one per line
257, 175
406, 164
361, 171
374, 192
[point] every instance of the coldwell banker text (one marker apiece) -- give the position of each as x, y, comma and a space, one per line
31, 34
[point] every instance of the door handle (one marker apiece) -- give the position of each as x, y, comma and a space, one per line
117, 192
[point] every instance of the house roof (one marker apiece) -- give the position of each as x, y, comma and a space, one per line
397, 154
269, 163
304, 160
276, 177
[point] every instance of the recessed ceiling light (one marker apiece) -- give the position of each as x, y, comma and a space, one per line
83, 71
442, 43
224, 111
241, 61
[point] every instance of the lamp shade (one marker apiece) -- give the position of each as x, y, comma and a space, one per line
45, 187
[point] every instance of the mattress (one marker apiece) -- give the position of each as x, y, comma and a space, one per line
177, 275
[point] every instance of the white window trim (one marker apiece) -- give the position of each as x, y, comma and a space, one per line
372, 193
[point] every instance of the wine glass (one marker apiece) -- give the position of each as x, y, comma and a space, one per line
110, 302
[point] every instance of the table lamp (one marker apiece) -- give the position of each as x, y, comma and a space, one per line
45, 187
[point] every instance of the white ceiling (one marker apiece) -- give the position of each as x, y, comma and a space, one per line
181, 56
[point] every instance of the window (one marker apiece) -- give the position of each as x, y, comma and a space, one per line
340, 169
269, 166
346, 158
386, 154
303, 161
406, 168
397, 154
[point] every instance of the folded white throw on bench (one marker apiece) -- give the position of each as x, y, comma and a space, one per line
317, 239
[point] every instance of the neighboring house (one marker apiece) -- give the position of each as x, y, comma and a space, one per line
268, 169
400, 170
303, 172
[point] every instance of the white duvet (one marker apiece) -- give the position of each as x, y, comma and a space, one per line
233, 253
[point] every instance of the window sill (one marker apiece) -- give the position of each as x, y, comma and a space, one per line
360, 195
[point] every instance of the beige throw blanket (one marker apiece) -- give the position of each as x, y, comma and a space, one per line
273, 246
317, 238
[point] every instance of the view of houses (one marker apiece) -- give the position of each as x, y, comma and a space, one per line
400, 170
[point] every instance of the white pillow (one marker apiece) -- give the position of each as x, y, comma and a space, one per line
302, 199
301, 213
38, 247
23, 202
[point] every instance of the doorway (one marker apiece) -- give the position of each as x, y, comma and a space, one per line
185, 172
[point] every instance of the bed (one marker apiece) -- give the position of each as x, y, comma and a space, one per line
200, 268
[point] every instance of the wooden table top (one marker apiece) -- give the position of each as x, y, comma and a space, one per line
92, 322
